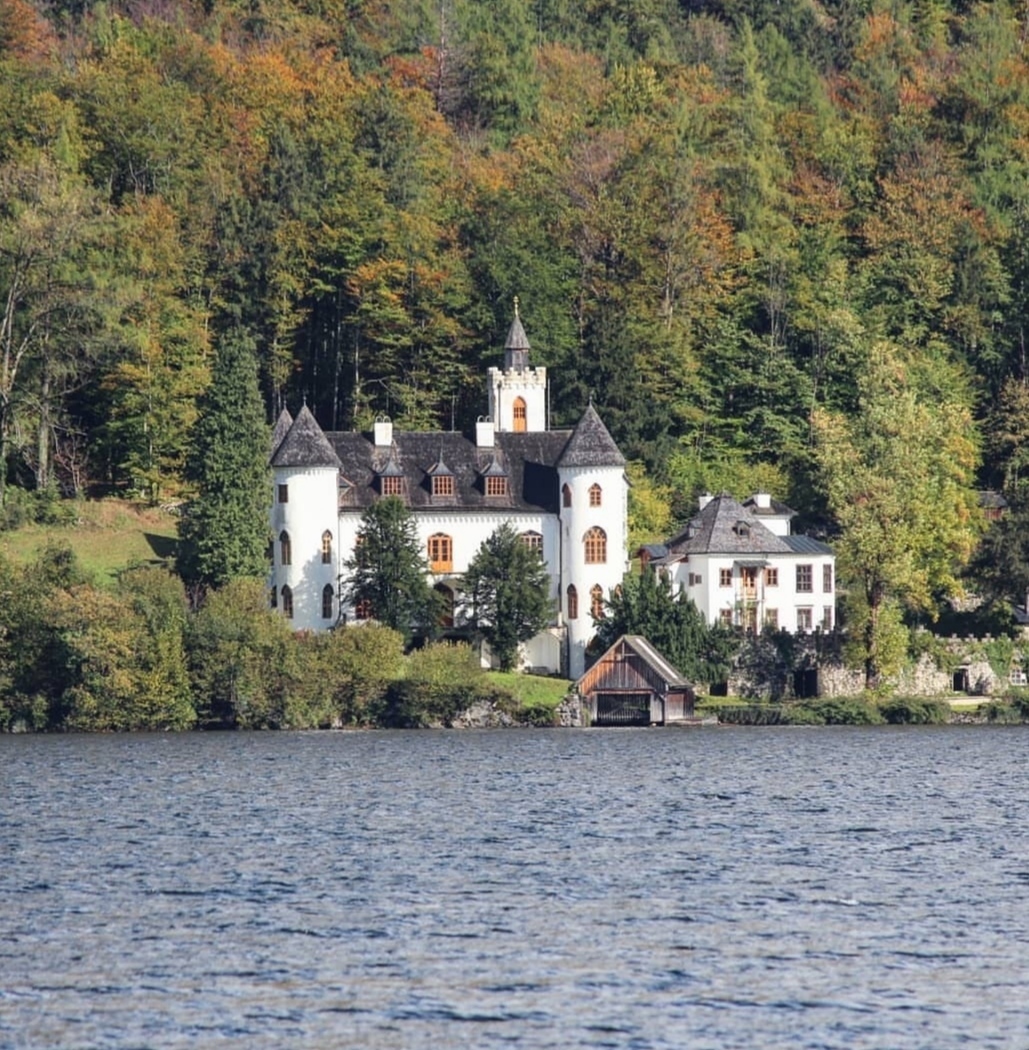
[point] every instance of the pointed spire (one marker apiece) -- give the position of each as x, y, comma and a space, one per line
281, 429
516, 347
591, 445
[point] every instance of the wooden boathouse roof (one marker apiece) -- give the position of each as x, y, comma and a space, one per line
635, 663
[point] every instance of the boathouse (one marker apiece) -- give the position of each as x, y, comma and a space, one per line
633, 684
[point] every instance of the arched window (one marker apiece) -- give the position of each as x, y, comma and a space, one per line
287, 603
534, 541
326, 547
597, 601
441, 553
596, 494
573, 603
273, 600
566, 496
520, 416
327, 601
446, 612
363, 609
285, 548
595, 546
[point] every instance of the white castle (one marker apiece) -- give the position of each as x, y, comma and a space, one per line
564, 492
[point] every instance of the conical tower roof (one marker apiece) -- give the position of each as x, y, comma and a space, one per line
516, 346
305, 445
591, 445
281, 429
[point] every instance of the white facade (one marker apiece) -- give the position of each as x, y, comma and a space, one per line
565, 492
741, 565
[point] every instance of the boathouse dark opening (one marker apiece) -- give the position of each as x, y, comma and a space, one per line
623, 709
961, 680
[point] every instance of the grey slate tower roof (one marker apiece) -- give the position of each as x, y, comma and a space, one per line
281, 429
726, 527
591, 445
305, 445
516, 347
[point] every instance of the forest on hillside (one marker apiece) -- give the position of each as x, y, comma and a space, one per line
784, 245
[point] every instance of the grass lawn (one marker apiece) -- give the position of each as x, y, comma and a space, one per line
106, 535
533, 690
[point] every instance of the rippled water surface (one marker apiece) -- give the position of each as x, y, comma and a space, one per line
710, 888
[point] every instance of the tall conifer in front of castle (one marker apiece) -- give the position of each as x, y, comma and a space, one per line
224, 531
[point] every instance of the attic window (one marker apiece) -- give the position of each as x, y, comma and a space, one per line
741, 528
496, 485
391, 485
443, 485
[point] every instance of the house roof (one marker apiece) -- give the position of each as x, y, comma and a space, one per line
807, 545
660, 670
305, 445
726, 527
591, 445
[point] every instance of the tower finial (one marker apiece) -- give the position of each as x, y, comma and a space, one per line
516, 305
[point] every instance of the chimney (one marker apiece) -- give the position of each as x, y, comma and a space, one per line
484, 432
383, 432
763, 501
705, 500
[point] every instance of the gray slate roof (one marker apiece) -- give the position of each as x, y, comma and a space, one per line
591, 445
726, 527
281, 429
305, 445
777, 509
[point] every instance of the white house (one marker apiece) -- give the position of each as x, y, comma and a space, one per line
741, 565
564, 491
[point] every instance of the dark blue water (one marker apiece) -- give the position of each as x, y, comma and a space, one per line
710, 888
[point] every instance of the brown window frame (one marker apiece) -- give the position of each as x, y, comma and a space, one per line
725, 577
443, 485
496, 485
287, 602
285, 548
519, 416
596, 495
805, 579
328, 601
326, 547
594, 546
573, 602
440, 548
391, 485
597, 602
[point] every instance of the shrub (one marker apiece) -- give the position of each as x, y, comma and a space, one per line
913, 711
844, 711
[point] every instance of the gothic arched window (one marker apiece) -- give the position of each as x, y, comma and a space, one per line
326, 547
573, 603
521, 422
287, 603
596, 494
285, 548
566, 496
328, 595
595, 546
597, 602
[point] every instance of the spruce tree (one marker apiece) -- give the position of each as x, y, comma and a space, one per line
224, 532
388, 571
509, 587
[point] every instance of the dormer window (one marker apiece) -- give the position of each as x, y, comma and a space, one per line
496, 486
494, 480
391, 485
742, 529
443, 485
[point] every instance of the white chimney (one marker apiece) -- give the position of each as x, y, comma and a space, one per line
383, 432
705, 500
484, 431
762, 500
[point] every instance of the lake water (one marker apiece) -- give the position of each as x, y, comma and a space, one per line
707, 888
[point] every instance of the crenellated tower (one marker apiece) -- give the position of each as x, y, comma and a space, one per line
517, 392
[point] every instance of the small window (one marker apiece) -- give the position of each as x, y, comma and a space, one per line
328, 597
695, 579
597, 602
441, 553
496, 485
772, 619
725, 577
596, 495
285, 547
520, 416
273, 598
392, 485
363, 609
826, 617
287, 603
804, 579
534, 541
566, 496
284, 493
804, 619
595, 546
725, 617
827, 579
573, 603
326, 547
771, 577
443, 485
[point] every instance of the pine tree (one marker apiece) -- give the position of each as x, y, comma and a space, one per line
388, 572
224, 533
509, 587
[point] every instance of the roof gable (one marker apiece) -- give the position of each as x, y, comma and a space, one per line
727, 527
654, 667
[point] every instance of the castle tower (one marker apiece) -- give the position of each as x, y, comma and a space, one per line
593, 514
305, 525
517, 393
